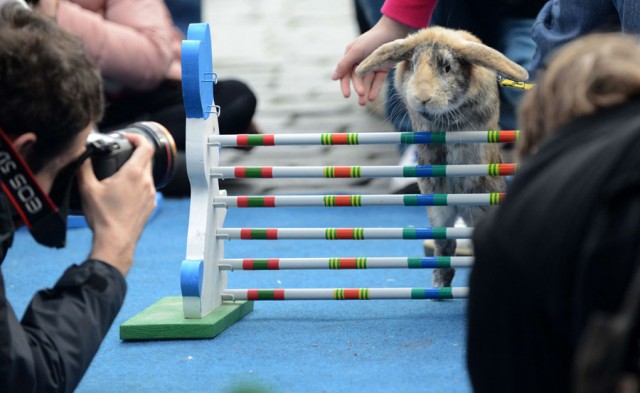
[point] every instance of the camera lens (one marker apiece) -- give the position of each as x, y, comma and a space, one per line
164, 158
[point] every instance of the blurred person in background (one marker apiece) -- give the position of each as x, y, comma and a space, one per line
137, 48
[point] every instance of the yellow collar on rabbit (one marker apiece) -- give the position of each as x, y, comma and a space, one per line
504, 82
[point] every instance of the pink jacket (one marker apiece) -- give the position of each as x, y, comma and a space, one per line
134, 42
414, 13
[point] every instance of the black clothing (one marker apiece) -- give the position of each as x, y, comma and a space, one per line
519, 8
564, 244
61, 331
484, 18
165, 106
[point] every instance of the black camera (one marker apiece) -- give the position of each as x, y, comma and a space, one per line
109, 151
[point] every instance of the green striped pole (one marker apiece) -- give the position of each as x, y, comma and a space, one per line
265, 172
369, 138
345, 263
245, 201
345, 293
343, 233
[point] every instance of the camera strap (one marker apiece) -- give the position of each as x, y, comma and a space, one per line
47, 224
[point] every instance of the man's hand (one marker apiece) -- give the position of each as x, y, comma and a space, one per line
368, 87
118, 207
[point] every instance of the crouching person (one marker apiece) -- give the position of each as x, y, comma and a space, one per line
50, 100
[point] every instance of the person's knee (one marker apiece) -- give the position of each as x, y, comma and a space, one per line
233, 91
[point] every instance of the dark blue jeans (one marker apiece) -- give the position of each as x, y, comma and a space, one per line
561, 21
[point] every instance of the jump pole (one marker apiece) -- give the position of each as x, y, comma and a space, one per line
247, 140
408, 233
268, 172
248, 201
346, 293
345, 263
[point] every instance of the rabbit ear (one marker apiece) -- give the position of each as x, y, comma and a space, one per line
485, 56
387, 55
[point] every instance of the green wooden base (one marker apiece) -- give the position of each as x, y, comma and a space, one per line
165, 321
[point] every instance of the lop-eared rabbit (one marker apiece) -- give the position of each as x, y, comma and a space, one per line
448, 82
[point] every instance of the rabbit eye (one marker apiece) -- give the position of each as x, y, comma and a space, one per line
447, 68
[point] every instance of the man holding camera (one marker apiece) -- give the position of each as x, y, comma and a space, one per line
50, 100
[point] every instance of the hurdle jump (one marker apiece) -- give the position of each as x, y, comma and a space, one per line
207, 306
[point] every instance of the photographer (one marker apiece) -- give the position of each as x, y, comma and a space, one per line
51, 97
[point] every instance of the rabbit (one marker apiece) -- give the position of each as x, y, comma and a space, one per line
447, 80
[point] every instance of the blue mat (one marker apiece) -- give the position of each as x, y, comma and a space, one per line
294, 346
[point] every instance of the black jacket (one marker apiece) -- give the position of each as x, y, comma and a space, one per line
52, 347
564, 244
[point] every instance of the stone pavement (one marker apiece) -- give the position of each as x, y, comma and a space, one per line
286, 50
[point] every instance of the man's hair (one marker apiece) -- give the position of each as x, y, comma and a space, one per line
587, 75
48, 85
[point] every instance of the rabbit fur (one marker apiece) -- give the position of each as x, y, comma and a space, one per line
447, 81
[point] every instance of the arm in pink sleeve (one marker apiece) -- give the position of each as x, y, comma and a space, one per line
414, 13
130, 43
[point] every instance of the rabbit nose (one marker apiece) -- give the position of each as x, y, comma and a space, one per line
424, 101
423, 97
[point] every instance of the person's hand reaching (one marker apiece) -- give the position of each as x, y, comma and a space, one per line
367, 87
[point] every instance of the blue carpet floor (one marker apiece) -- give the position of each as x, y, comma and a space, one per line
319, 346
